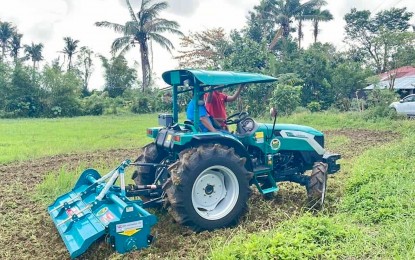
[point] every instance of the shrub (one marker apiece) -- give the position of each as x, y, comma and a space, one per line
381, 97
300, 110
314, 106
357, 104
379, 112
378, 102
141, 105
286, 98
93, 105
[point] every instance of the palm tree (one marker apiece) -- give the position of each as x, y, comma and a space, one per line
85, 64
284, 11
320, 16
6, 32
34, 52
304, 13
144, 26
70, 49
15, 45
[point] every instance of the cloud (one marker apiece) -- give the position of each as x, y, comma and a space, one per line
177, 7
70, 6
41, 31
135, 4
183, 7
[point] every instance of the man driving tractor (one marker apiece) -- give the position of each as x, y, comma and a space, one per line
215, 104
212, 109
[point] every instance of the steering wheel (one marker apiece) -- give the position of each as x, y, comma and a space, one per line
236, 118
247, 125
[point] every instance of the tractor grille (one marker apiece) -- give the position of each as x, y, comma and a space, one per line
320, 140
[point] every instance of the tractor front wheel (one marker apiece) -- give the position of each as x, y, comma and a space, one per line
317, 185
208, 188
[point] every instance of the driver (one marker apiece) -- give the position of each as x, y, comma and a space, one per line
215, 104
205, 123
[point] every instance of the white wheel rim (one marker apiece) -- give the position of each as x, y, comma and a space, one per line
215, 192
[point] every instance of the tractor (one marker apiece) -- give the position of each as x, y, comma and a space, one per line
207, 182
204, 179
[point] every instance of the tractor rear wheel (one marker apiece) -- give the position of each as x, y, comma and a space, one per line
145, 175
316, 188
208, 188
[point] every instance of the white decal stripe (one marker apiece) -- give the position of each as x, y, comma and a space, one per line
305, 136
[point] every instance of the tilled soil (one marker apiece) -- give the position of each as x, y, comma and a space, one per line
26, 230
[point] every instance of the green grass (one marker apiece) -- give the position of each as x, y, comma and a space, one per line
375, 218
306, 237
23, 139
60, 182
337, 141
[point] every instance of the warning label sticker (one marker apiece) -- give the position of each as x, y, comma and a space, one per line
107, 218
259, 136
128, 226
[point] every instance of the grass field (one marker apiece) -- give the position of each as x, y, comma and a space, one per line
370, 209
23, 139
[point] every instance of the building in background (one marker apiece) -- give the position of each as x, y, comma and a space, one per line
402, 80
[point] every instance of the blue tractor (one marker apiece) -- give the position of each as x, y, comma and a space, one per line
208, 175
204, 179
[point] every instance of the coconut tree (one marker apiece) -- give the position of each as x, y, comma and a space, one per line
85, 67
320, 16
15, 45
305, 13
284, 13
6, 33
144, 26
70, 49
34, 52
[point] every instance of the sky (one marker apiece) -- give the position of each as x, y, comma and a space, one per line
49, 21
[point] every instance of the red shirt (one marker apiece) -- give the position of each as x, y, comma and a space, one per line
216, 107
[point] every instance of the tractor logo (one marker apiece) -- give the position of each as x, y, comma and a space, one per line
275, 144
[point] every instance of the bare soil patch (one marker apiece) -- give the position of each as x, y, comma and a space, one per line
361, 140
26, 230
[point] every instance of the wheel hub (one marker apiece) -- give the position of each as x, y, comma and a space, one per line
215, 192
209, 190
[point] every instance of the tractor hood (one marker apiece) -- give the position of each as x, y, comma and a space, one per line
213, 78
295, 128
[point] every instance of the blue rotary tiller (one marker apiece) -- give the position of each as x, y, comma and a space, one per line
95, 208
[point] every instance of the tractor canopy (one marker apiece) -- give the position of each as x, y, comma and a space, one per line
195, 80
213, 78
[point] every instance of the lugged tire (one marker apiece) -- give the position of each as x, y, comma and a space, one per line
197, 174
317, 186
145, 175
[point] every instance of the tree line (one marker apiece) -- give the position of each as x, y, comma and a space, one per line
316, 77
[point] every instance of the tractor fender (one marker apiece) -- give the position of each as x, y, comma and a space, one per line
226, 140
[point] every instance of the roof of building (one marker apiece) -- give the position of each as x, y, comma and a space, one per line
404, 79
